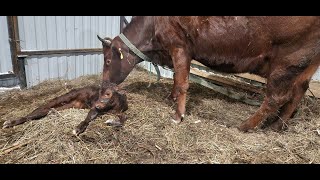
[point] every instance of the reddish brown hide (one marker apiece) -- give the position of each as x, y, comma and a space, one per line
283, 49
111, 101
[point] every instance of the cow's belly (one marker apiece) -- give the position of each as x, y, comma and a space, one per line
257, 64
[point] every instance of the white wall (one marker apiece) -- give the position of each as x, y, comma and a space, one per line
5, 54
64, 32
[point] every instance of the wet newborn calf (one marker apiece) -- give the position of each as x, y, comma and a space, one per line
111, 100
106, 99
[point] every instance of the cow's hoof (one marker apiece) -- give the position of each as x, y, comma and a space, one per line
172, 97
113, 122
8, 124
245, 127
278, 126
176, 119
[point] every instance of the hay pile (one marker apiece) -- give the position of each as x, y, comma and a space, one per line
208, 135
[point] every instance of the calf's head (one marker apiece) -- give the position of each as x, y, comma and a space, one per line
111, 97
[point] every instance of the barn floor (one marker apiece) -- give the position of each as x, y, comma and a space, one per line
208, 134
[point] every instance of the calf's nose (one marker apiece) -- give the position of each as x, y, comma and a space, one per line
98, 107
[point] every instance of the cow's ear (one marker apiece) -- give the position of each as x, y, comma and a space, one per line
120, 90
106, 42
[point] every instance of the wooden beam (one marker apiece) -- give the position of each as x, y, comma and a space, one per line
227, 81
252, 77
224, 90
255, 82
13, 31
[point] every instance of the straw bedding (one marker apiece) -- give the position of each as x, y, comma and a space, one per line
207, 135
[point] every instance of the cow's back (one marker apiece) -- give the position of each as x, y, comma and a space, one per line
234, 43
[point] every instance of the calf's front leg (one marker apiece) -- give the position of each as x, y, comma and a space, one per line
93, 114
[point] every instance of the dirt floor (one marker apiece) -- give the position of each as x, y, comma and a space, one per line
209, 133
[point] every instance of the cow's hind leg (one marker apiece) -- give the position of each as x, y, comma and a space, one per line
275, 98
284, 82
300, 87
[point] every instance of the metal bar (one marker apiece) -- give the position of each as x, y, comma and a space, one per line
59, 52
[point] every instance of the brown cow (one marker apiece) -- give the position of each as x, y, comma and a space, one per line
112, 100
285, 50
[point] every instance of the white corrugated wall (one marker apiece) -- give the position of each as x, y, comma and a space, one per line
64, 32
5, 54
316, 77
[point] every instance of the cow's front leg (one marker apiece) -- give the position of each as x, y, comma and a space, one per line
174, 93
181, 63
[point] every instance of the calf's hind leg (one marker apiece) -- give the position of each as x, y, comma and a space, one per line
42, 111
36, 114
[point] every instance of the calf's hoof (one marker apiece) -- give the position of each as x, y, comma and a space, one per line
8, 124
80, 129
113, 122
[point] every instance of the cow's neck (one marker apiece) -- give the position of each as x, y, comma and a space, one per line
140, 32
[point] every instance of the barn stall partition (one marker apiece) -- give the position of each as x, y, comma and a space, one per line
222, 82
38, 48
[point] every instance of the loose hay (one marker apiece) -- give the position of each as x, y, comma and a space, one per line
208, 135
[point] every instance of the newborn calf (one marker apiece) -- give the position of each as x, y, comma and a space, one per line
103, 100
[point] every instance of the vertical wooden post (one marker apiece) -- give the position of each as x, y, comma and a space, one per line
14, 41
18, 67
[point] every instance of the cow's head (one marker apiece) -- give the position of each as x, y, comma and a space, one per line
109, 95
118, 62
